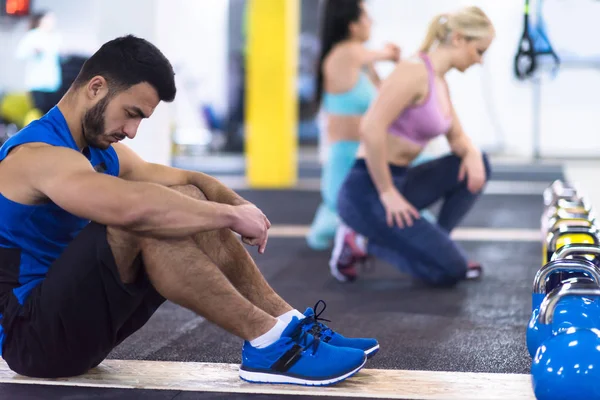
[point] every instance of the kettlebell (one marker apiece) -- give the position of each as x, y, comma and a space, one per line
566, 366
559, 190
537, 333
578, 251
566, 235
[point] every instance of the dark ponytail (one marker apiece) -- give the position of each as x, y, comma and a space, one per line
336, 16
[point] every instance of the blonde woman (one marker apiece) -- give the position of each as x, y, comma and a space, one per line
382, 193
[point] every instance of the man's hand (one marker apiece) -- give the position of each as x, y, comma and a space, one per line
252, 225
473, 170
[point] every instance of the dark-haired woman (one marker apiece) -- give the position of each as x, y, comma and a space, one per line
346, 85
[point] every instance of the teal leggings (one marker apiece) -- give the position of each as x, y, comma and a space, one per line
340, 159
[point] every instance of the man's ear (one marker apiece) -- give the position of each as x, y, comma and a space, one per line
97, 87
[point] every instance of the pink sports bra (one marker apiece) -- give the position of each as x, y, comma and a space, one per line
421, 123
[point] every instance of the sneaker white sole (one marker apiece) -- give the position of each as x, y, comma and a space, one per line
265, 377
474, 273
372, 350
338, 246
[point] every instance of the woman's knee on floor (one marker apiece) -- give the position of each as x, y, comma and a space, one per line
450, 272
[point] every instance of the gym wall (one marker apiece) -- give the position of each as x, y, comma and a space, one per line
192, 33
494, 107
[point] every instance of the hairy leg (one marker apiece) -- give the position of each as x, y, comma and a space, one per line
229, 254
184, 274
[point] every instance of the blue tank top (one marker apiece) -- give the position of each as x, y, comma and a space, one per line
355, 101
42, 232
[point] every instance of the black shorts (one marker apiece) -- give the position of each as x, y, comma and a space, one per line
78, 314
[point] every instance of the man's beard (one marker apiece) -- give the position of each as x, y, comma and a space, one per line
93, 124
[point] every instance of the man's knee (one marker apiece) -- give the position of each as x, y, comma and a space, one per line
191, 191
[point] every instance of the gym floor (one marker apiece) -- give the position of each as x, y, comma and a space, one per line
477, 327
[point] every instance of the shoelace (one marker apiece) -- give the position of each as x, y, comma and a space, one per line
320, 329
300, 336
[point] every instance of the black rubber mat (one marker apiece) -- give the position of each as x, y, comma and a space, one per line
491, 211
522, 172
547, 176
475, 327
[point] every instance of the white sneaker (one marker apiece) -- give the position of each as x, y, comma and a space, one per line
348, 249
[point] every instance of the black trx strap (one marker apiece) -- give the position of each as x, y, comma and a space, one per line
534, 43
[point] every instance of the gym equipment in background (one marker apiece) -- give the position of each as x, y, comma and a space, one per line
534, 44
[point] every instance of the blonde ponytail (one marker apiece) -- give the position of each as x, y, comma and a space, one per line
436, 31
470, 22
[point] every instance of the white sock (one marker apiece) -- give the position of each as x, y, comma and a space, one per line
287, 317
270, 337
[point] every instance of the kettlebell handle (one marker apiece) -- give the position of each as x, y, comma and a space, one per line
548, 306
539, 282
557, 190
572, 203
552, 237
570, 249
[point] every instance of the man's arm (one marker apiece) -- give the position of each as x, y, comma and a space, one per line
134, 168
67, 178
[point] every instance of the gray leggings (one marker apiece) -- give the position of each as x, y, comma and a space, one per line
423, 250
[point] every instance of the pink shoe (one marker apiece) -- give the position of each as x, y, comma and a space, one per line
347, 251
474, 270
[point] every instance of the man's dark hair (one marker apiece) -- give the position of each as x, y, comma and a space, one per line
127, 61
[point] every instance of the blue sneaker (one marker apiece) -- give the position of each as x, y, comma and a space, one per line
327, 335
299, 358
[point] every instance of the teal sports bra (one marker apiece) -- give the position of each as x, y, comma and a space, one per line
355, 101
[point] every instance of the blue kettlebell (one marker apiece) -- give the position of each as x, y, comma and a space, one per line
567, 365
571, 311
578, 251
